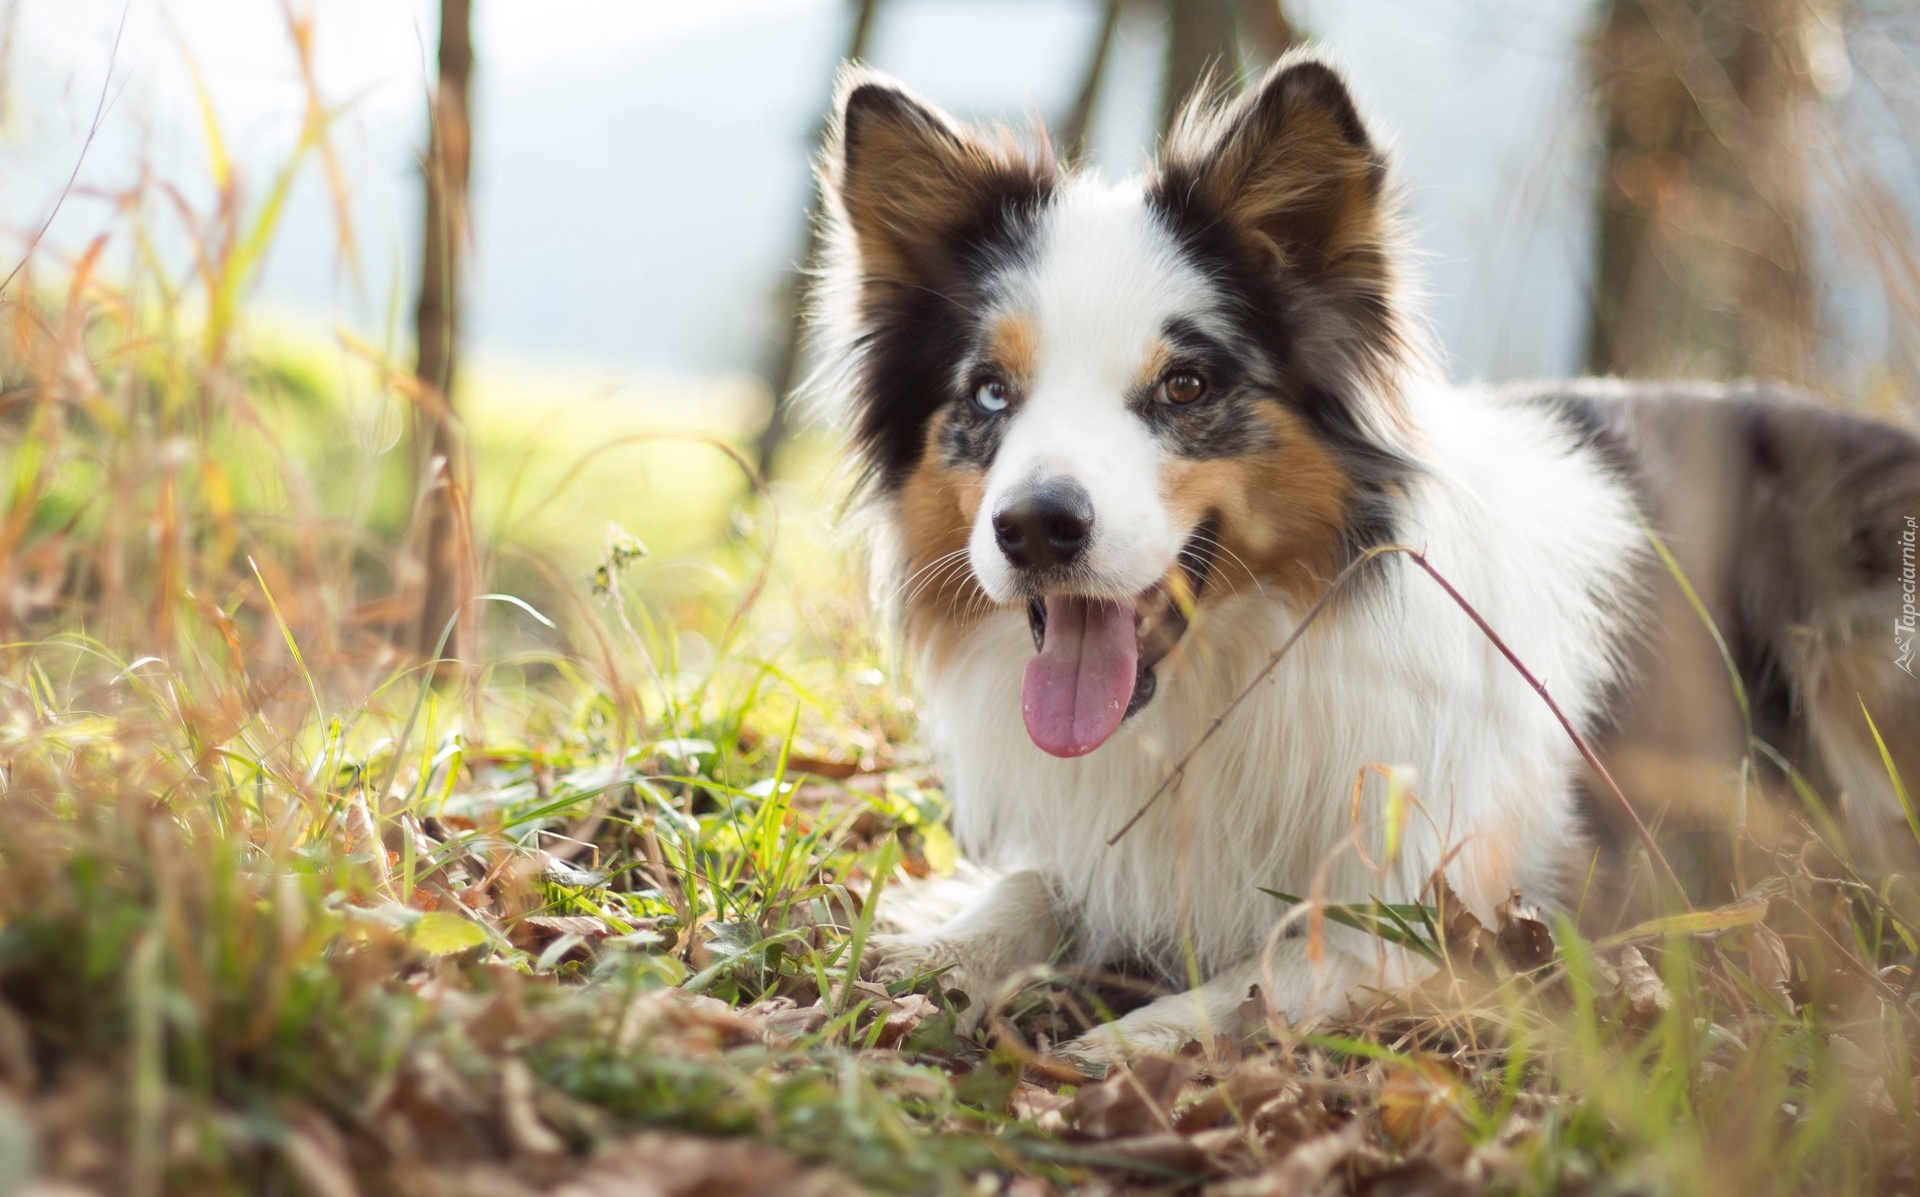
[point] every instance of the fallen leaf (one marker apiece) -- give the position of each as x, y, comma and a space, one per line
525, 1132
1243, 1091
1645, 994
1461, 934
317, 1153
1252, 1017
1040, 1106
674, 1020
782, 1018
675, 1165
1770, 965
818, 767
1420, 1099
1523, 940
1135, 1099
909, 1011
442, 933
1316, 1168
544, 928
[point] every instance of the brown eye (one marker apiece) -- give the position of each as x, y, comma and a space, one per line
1182, 387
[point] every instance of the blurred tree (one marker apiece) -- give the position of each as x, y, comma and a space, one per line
1203, 41
1265, 31
1701, 259
446, 554
1073, 130
785, 373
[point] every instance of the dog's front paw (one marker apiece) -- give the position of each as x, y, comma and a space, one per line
891, 959
1131, 1037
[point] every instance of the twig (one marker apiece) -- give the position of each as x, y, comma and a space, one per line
1539, 687
1273, 662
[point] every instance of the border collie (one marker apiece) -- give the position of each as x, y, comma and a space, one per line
1122, 436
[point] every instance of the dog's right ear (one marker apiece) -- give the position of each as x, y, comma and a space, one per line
911, 182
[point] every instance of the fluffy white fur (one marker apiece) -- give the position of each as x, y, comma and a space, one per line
1106, 281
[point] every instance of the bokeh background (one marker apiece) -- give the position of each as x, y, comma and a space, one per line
1691, 188
640, 167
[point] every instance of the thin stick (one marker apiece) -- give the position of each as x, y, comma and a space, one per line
1486, 629
1579, 741
1273, 662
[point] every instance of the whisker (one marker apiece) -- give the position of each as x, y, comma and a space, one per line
1215, 543
943, 561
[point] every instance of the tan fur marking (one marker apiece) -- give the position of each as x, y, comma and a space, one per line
906, 178
1015, 346
938, 504
1281, 514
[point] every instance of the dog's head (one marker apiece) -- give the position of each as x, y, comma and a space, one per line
1105, 404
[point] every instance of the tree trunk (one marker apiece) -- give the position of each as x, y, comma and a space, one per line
1073, 130
1700, 266
785, 374
1265, 32
1203, 41
446, 556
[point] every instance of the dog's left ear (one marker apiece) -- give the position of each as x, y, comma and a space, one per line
910, 183
1290, 168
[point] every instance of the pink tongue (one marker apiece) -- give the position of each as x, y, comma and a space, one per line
1076, 691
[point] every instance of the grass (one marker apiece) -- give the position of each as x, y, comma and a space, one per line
280, 912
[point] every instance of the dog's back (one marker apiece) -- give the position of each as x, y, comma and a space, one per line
1795, 526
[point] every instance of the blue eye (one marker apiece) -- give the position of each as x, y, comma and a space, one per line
991, 396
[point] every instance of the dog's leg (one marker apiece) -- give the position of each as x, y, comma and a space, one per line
1014, 924
1292, 983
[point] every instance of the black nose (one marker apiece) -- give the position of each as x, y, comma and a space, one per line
1046, 526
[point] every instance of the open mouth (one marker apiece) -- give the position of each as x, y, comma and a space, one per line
1095, 659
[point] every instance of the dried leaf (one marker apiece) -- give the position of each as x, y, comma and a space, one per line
1645, 994
1524, 941
1243, 1091
908, 1012
1252, 1017
1135, 1099
1770, 965
782, 1018
1419, 1099
545, 928
674, 1165
1165, 1150
1042, 1107
1316, 1168
525, 1132
317, 1153
1461, 934
674, 1020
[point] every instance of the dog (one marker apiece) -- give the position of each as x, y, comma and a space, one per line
1122, 438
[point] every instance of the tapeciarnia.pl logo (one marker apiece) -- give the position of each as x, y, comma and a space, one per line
1903, 627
